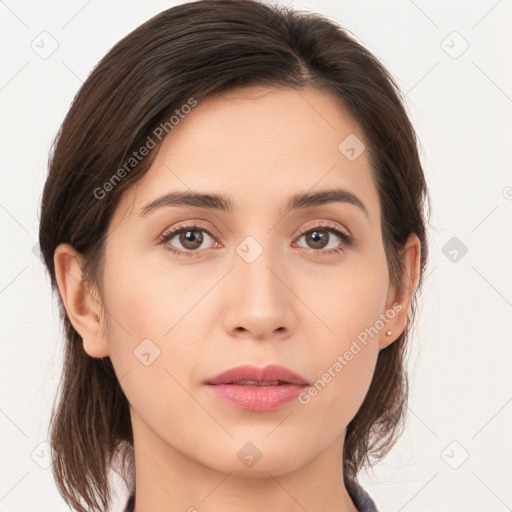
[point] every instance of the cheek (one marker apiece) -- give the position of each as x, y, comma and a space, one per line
149, 333
337, 395
351, 307
153, 318
344, 381
344, 365
140, 298
350, 299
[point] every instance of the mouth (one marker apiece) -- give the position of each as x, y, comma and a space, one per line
257, 383
257, 389
247, 375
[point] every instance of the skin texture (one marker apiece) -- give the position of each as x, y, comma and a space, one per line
294, 305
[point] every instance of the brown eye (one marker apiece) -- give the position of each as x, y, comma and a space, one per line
325, 240
186, 240
317, 239
191, 239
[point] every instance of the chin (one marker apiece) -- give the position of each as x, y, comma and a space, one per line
250, 461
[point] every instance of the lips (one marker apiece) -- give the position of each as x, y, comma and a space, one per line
271, 375
257, 389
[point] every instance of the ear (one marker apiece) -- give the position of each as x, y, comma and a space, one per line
400, 300
81, 303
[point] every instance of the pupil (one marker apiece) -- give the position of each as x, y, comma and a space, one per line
193, 238
319, 238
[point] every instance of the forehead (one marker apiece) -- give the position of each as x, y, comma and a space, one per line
259, 146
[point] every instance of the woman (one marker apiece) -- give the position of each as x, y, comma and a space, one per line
233, 220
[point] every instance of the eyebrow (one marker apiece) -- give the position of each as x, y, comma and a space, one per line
218, 202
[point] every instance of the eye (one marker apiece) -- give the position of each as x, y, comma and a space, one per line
320, 237
190, 237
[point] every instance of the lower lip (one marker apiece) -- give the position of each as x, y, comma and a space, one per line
257, 398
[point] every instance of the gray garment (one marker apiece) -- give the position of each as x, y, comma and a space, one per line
359, 496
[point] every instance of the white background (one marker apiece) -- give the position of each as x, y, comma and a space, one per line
460, 363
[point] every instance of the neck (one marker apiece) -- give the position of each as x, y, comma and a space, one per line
167, 479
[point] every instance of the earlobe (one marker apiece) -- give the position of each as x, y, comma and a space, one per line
82, 307
401, 301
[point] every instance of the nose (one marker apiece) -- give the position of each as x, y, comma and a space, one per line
259, 303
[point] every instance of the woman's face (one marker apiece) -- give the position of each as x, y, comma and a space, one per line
270, 280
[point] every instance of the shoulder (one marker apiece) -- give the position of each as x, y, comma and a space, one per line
359, 496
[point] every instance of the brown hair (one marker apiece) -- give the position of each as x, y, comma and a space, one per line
196, 50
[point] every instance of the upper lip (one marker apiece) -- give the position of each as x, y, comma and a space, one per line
269, 373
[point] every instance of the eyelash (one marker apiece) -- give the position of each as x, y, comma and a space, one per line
347, 239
